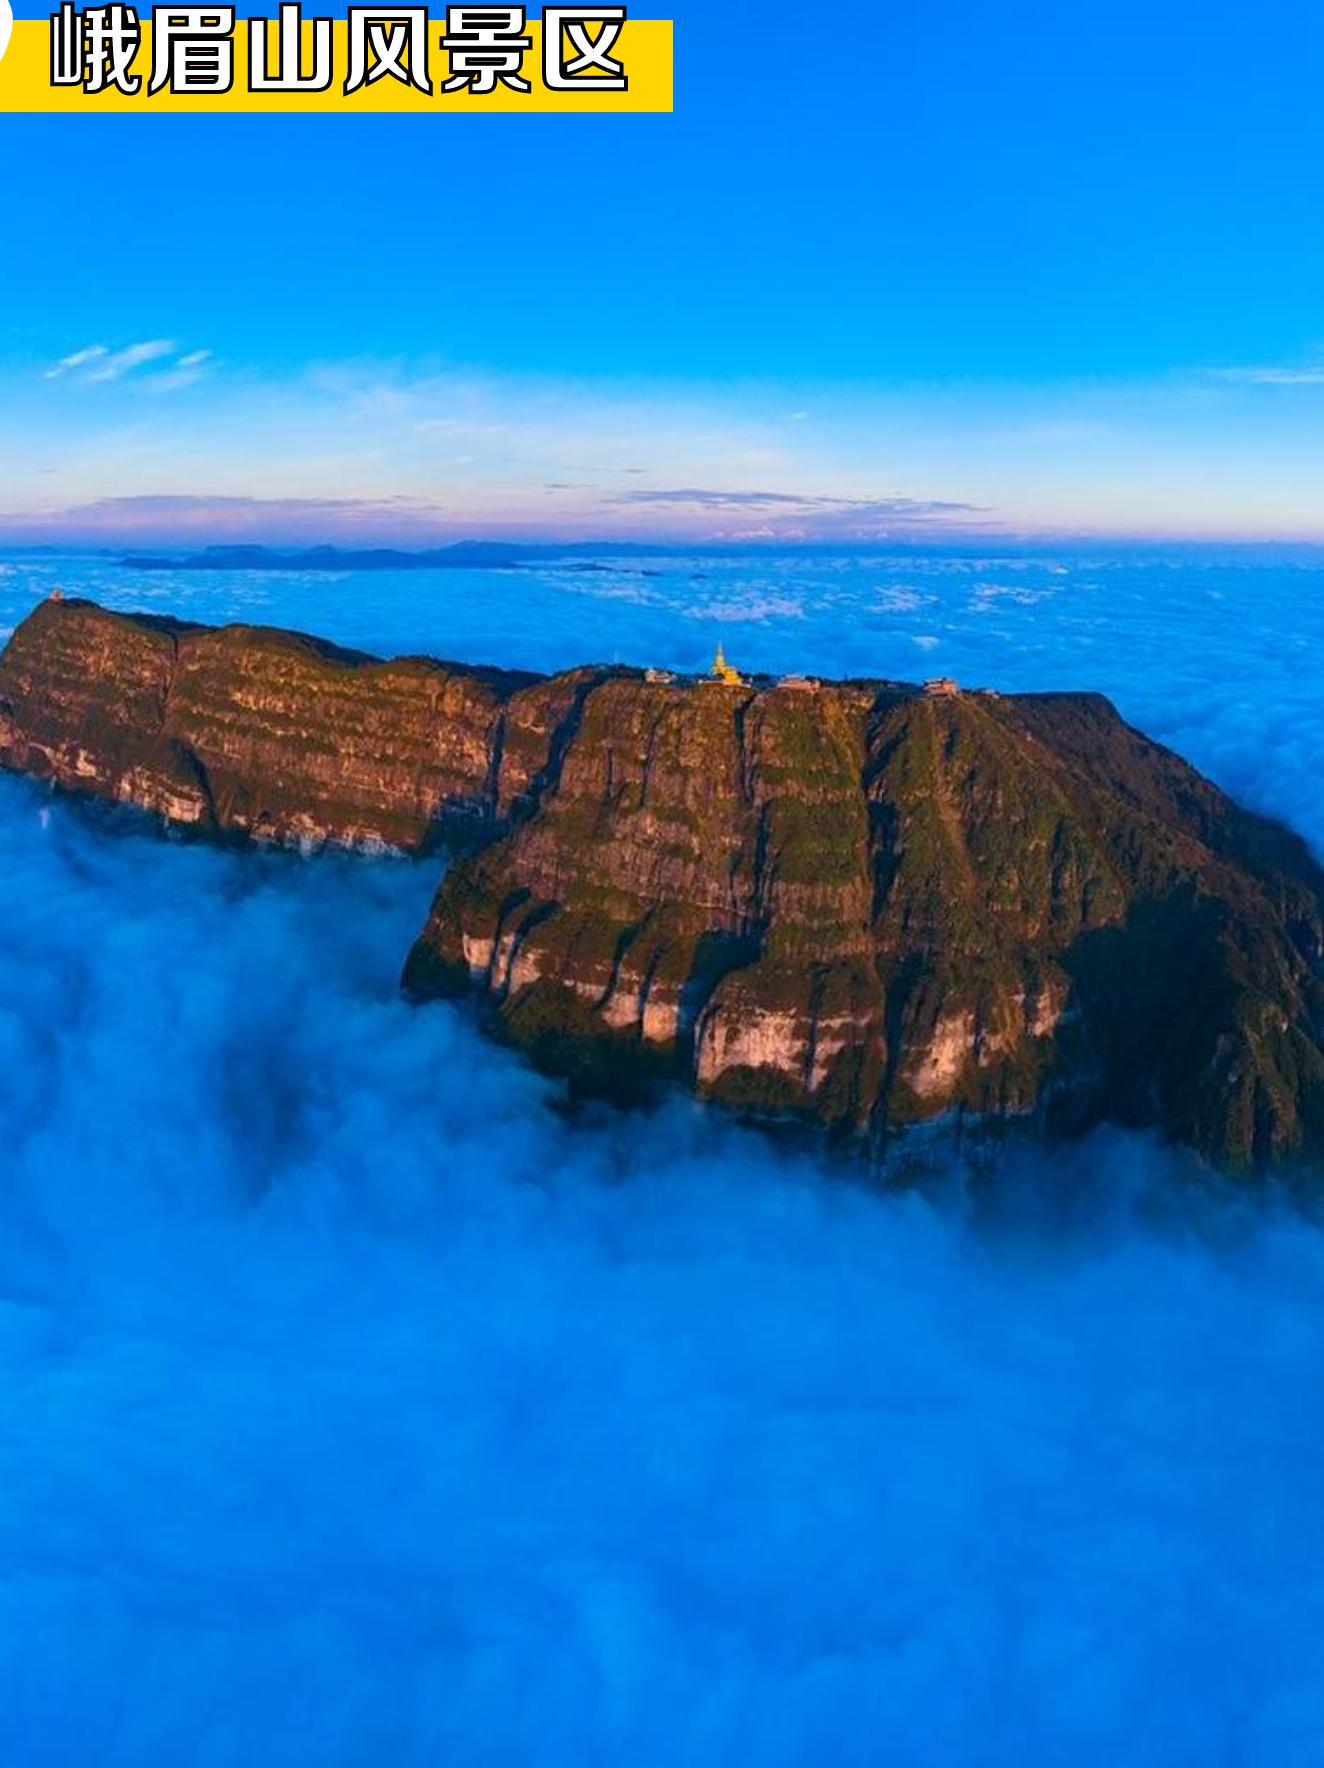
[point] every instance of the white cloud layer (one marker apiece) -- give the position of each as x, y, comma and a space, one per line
360, 1409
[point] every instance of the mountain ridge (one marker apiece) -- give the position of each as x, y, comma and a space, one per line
856, 904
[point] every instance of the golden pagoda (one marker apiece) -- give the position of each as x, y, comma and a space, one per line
722, 670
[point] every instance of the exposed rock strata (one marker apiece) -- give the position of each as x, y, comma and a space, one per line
862, 905
264, 733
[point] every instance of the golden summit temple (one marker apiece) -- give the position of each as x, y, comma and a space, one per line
722, 670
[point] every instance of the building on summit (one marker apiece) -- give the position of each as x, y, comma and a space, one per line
723, 672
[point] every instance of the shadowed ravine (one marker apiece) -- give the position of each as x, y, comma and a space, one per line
855, 903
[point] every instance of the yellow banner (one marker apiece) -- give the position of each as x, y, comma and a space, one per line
457, 73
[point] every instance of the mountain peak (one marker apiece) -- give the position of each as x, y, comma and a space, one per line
862, 904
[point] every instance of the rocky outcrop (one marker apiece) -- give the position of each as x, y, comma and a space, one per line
870, 907
268, 734
855, 904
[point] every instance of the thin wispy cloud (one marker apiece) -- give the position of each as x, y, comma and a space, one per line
451, 426
199, 519
479, 449
70, 364
147, 362
1273, 375
630, 461
186, 372
121, 362
900, 508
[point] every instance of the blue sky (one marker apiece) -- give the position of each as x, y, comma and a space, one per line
1023, 268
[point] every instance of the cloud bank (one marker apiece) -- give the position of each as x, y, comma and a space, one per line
361, 1409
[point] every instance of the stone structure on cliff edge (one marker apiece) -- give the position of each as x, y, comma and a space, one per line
856, 903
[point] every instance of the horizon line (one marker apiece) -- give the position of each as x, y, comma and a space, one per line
150, 552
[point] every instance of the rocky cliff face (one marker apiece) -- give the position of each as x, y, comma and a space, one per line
268, 734
872, 907
853, 903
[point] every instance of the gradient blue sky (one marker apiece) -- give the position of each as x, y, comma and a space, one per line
1025, 268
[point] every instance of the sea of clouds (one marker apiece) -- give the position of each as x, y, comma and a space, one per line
359, 1408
